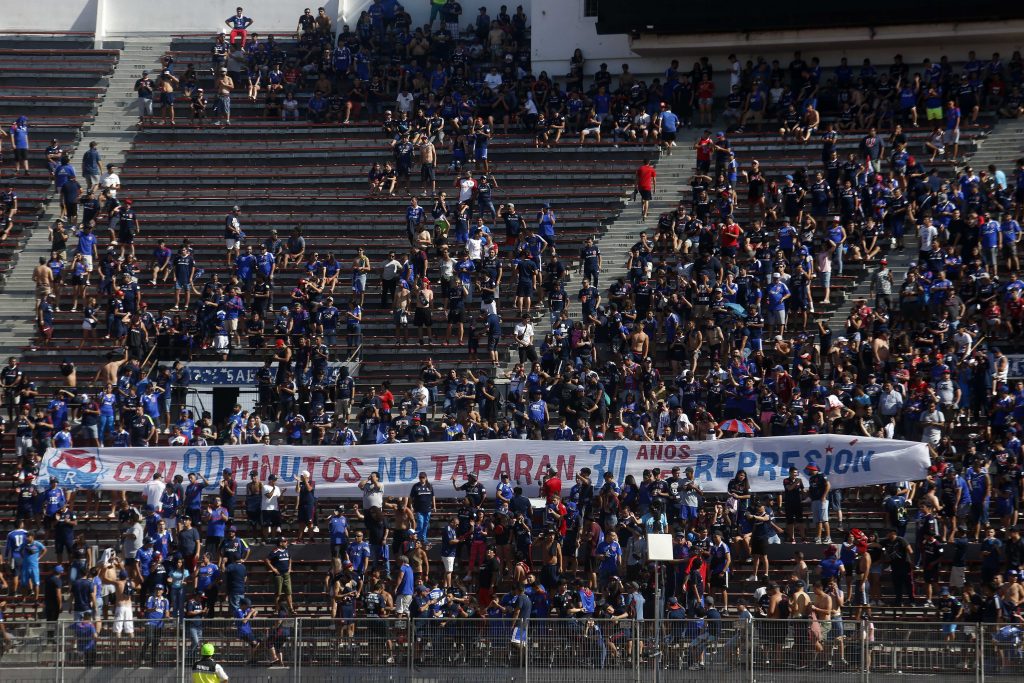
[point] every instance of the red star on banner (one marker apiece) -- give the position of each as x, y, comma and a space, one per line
828, 449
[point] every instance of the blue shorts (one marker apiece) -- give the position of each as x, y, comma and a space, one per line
359, 284
179, 284
30, 573
480, 153
689, 512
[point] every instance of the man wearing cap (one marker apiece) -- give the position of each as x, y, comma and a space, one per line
165, 84
144, 89
818, 487
279, 563
157, 610
777, 295
423, 503
206, 669
881, 286
18, 134
270, 513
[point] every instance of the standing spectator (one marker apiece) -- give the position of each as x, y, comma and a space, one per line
421, 498
404, 585
91, 162
645, 186
144, 90
19, 136
899, 556
279, 563
818, 487
270, 511
157, 610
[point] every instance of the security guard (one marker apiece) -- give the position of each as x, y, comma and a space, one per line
206, 670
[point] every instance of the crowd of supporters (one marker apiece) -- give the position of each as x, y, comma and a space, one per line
714, 321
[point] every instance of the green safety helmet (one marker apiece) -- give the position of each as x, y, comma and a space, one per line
207, 650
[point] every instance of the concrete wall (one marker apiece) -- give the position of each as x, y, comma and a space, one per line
52, 15
187, 16
118, 17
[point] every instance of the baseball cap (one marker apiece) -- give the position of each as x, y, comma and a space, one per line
59, 569
811, 468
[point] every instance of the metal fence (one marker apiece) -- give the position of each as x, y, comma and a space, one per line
546, 651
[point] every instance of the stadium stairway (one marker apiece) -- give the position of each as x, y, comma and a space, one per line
623, 232
1003, 145
17, 298
113, 128
116, 120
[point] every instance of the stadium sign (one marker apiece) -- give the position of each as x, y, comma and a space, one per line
337, 470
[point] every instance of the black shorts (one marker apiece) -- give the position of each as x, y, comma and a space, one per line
719, 580
427, 172
794, 515
644, 194
668, 137
422, 317
20, 154
403, 171
271, 517
457, 315
524, 290
758, 546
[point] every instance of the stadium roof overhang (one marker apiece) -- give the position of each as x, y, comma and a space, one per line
939, 35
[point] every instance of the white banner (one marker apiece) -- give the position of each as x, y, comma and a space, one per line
337, 470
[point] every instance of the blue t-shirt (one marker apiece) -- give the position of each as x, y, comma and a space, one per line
407, 581
669, 122
776, 296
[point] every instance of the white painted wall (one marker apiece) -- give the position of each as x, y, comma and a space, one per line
187, 16
111, 18
48, 15
559, 27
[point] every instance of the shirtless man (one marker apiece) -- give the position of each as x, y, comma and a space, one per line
108, 373
428, 162
401, 313
124, 588
639, 343
837, 633
808, 124
821, 608
1012, 591
43, 277
800, 612
424, 300
880, 349
165, 86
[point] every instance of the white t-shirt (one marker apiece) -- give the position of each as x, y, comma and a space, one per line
930, 434
111, 182
475, 248
466, 186
526, 330
404, 102
927, 235
270, 503
153, 490
493, 81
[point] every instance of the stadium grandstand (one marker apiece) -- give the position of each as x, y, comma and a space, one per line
553, 342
